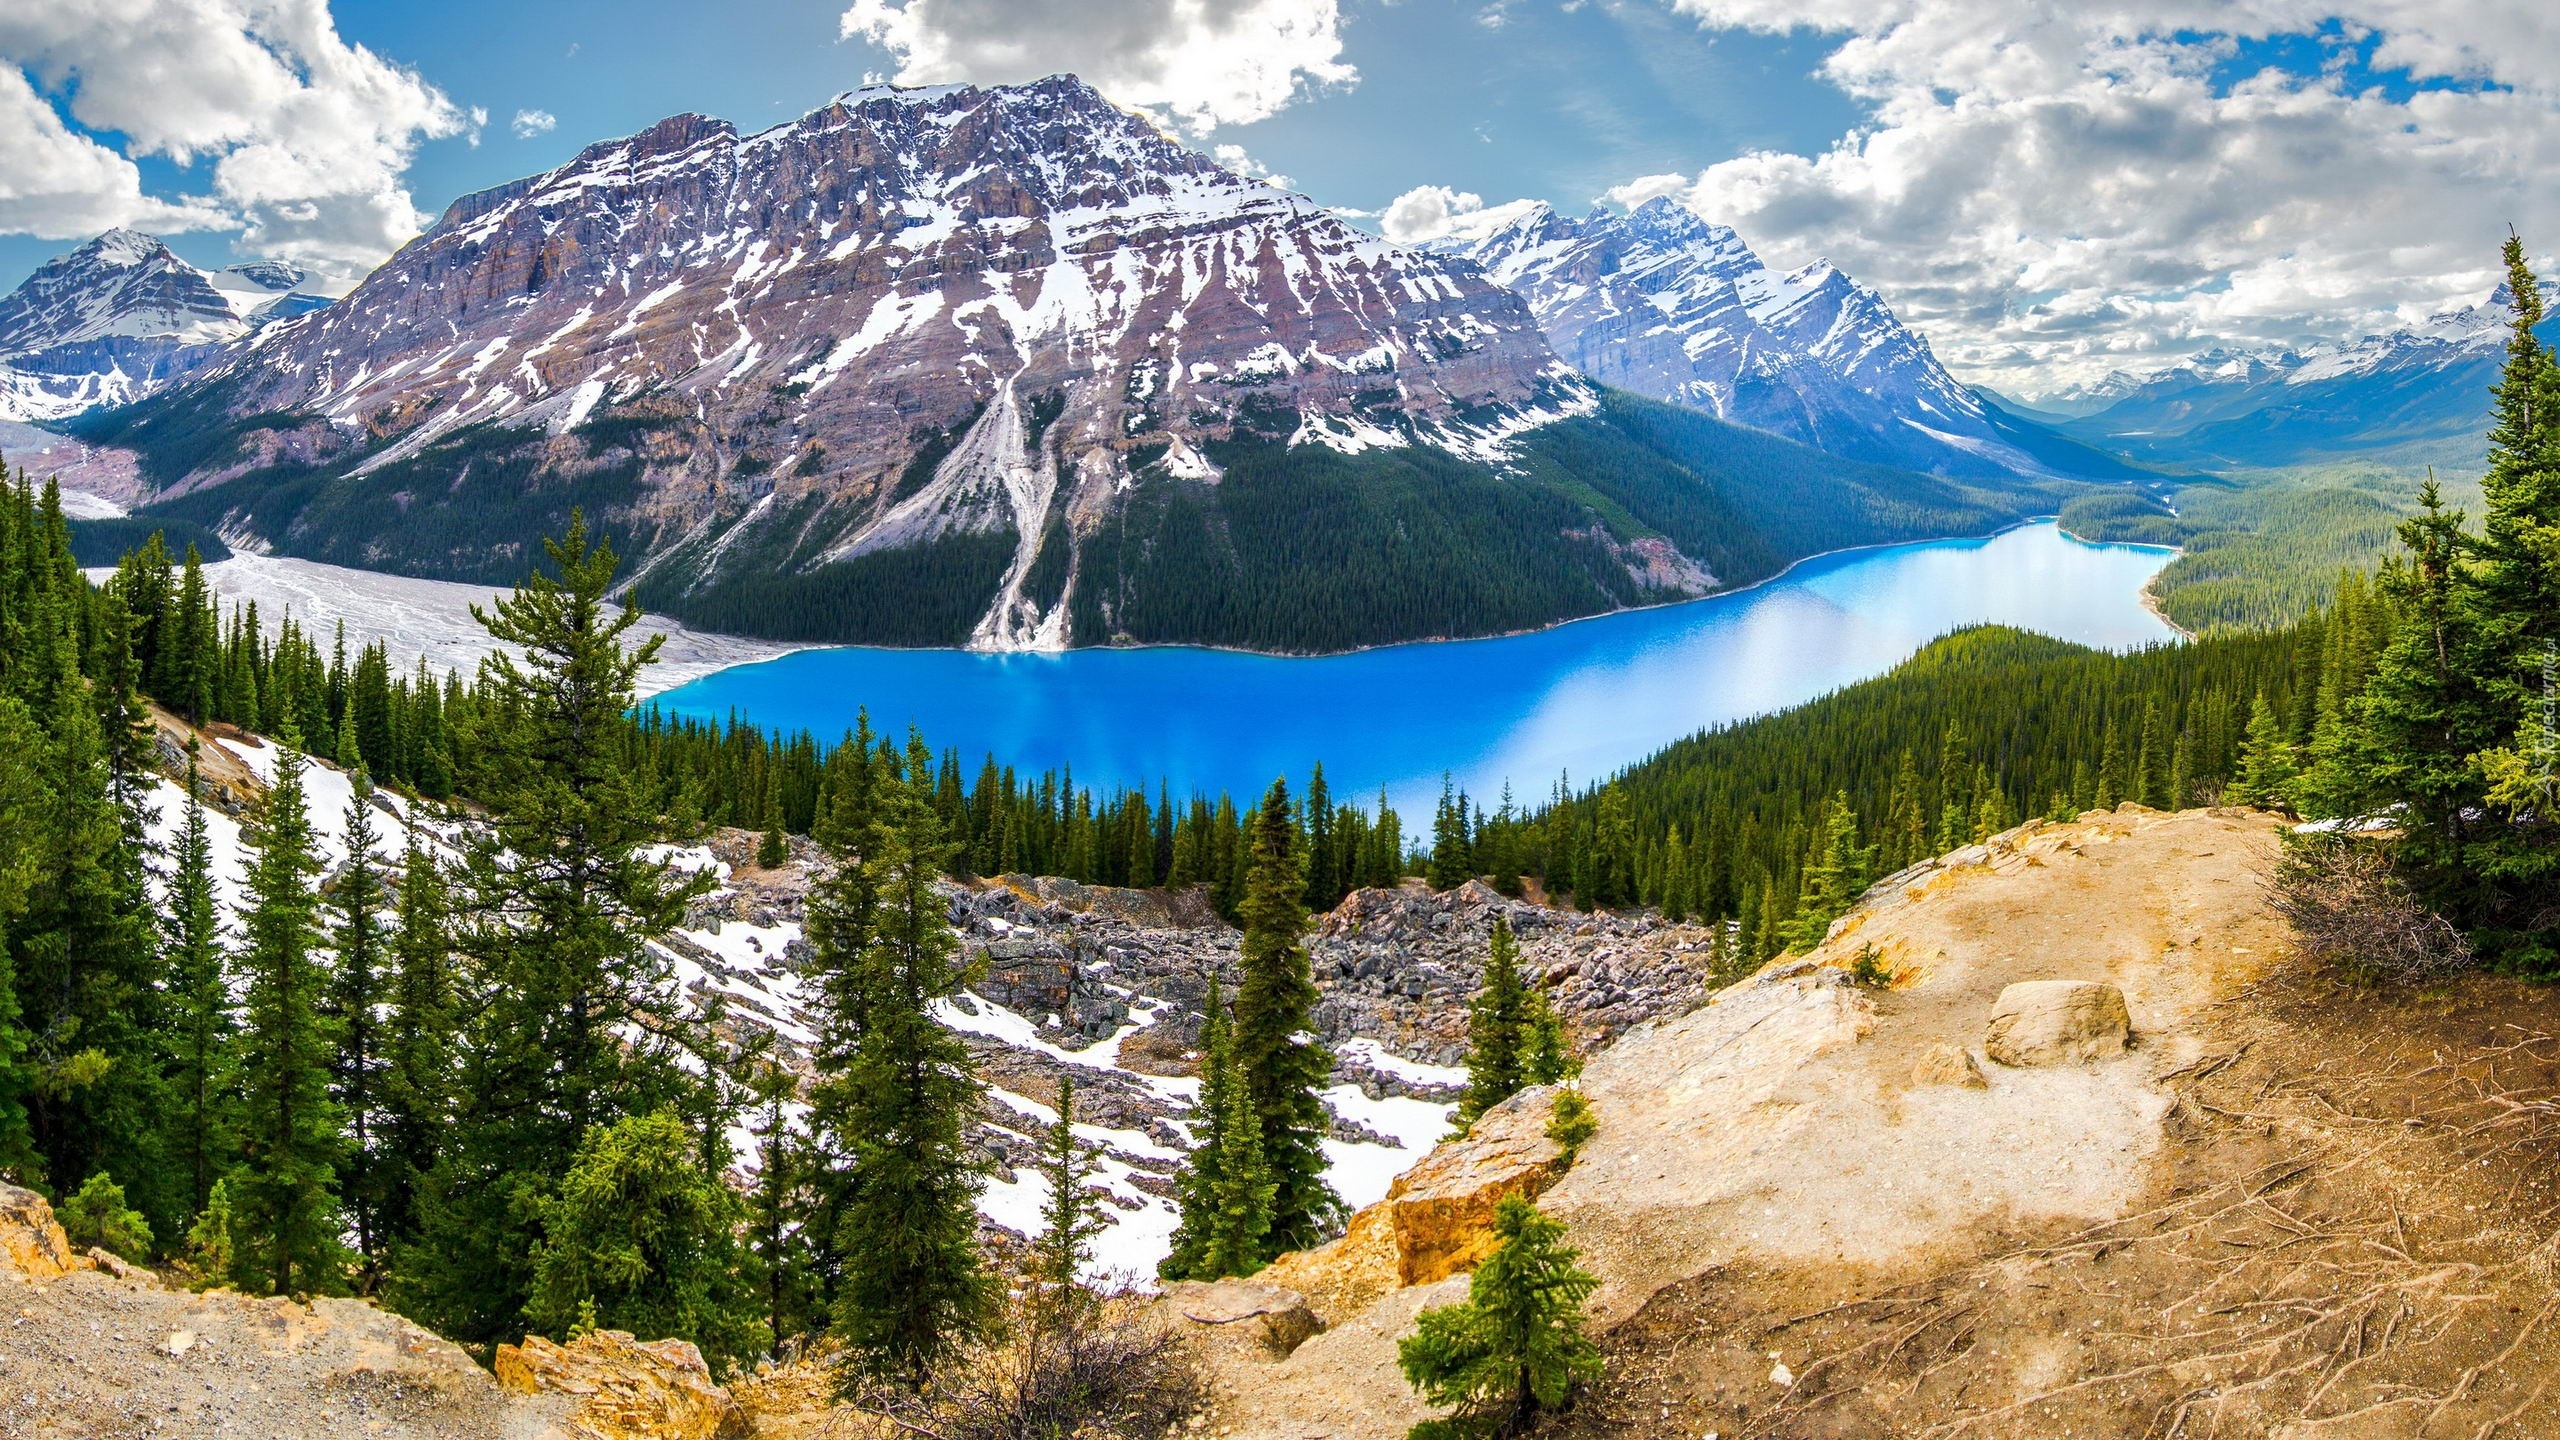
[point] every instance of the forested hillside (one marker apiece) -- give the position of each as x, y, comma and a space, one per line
2262, 548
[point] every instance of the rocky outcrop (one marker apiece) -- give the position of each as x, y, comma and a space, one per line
1264, 1319
1944, 1064
1831, 1133
626, 1389
31, 1240
1437, 1219
2057, 1022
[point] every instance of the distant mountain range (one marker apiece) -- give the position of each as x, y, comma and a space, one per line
122, 316
1000, 366
2419, 395
1663, 303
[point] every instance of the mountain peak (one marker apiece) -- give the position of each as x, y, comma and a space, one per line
120, 247
1667, 303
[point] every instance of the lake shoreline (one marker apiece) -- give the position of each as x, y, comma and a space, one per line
1584, 697
804, 647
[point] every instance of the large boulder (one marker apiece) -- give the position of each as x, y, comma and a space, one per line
31, 1240
1260, 1319
628, 1389
1437, 1218
2057, 1022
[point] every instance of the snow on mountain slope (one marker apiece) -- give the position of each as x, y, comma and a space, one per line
121, 316
1666, 304
907, 318
2410, 389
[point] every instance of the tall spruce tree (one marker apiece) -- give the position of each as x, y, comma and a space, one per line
26, 808
1285, 1069
1224, 1190
572, 1020
417, 1043
898, 1095
285, 1222
778, 1211
356, 985
1499, 1028
202, 1022
1835, 875
1071, 1216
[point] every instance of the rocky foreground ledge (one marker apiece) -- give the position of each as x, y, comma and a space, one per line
2050, 1138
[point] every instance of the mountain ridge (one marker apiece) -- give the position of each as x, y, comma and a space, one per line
122, 316
1670, 305
975, 365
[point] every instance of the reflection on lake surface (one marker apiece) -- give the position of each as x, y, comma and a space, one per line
1585, 698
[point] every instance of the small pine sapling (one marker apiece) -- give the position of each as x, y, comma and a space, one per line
1514, 1349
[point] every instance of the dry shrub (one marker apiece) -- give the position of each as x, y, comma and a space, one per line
2352, 912
1099, 1369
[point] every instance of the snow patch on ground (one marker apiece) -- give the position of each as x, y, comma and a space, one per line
431, 619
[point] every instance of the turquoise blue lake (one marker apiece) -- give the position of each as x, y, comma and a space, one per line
1582, 699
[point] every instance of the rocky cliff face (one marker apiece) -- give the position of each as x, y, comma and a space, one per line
123, 316
1666, 304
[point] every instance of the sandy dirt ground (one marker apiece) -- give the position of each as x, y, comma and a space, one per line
2291, 1209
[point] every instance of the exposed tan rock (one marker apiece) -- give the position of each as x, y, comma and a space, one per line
31, 1239
628, 1389
1945, 1064
1804, 1125
2057, 1022
116, 1265
1257, 1317
1437, 1218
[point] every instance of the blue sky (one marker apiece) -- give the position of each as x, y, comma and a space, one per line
2048, 195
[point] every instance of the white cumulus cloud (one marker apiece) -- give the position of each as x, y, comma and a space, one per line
59, 184
1426, 212
529, 123
1433, 212
296, 137
1235, 158
1204, 63
2055, 190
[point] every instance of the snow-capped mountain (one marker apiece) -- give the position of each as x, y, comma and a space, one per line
1003, 366
1664, 303
122, 315
2422, 392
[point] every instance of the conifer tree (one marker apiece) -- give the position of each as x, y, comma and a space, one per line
897, 1101
285, 1219
572, 1020
1515, 1347
1835, 875
417, 1043
26, 809
202, 1022
1499, 1029
1070, 1216
640, 1236
778, 1232
1275, 1013
355, 995
1225, 1190
2266, 760
1453, 861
